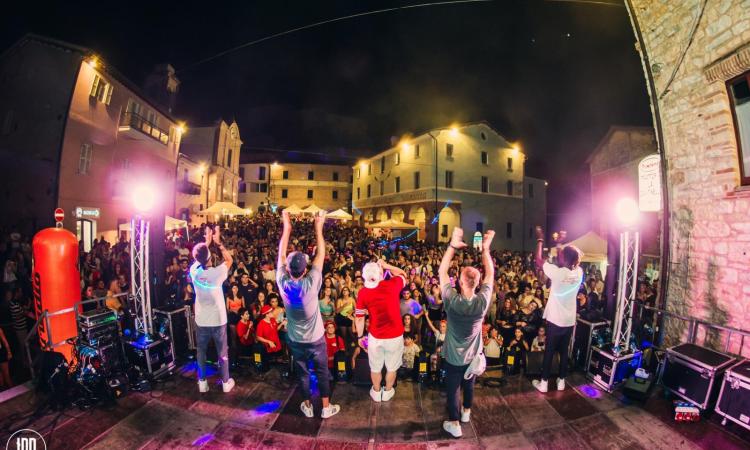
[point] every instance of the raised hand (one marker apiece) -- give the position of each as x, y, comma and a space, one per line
320, 218
487, 240
457, 239
286, 220
217, 235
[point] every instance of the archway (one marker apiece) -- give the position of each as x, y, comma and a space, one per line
417, 216
381, 215
397, 214
449, 218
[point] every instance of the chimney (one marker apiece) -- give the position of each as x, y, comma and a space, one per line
162, 86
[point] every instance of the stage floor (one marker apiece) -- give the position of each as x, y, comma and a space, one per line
265, 414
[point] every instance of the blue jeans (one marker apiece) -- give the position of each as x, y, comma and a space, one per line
318, 352
219, 336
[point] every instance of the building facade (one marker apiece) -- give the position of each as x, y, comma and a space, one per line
191, 188
282, 184
468, 176
696, 58
217, 148
534, 210
78, 135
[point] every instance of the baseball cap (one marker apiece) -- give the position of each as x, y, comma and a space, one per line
265, 309
372, 274
297, 262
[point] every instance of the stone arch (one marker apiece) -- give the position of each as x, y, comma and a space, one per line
397, 213
418, 217
449, 218
381, 215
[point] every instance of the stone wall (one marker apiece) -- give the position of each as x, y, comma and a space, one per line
709, 223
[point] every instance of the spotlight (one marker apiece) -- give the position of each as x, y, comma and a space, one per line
144, 197
627, 211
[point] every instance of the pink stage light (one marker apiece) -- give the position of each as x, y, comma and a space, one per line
627, 212
144, 197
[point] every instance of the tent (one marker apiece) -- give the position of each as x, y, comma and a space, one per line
294, 209
170, 224
225, 208
594, 248
312, 209
393, 225
339, 214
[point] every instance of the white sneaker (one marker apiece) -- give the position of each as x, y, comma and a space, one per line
387, 395
331, 410
226, 387
202, 386
465, 415
376, 395
561, 384
540, 385
453, 428
306, 410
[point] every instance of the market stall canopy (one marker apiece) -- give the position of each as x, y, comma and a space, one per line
312, 209
170, 223
593, 246
225, 208
293, 209
393, 225
339, 214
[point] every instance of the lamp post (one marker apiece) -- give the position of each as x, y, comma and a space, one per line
436, 214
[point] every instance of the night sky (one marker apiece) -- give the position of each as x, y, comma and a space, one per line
552, 75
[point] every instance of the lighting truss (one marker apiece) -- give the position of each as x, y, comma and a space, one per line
626, 290
139, 277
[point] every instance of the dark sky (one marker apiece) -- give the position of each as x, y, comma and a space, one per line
553, 75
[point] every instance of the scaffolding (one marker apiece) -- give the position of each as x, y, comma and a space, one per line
627, 285
139, 275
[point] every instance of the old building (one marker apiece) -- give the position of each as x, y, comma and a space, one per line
295, 178
697, 60
534, 210
467, 175
77, 134
217, 148
190, 189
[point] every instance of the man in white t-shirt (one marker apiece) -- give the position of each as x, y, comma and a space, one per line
210, 307
566, 277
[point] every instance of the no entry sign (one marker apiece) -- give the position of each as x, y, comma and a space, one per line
59, 215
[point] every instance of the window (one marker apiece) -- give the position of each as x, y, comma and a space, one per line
398, 158
531, 190
285, 174
261, 173
309, 193
133, 107
84, 162
480, 227
335, 195
229, 160
485, 184
369, 169
510, 164
449, 151
509, 230
382, 164
310, 175
416, 151
101, 90
509, 187
483, 136
382, 187
284, 193
357, 193
739, 94
242, 173
243, 187
369, 191
398, 184
485, 159
263, 187
444, 231
416, 180
449, 179
335, 176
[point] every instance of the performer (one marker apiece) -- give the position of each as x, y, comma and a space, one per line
299, 291
465, 312
560, 311
210, 308
385, 341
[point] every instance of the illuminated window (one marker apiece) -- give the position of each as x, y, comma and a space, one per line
398, 158
84, 161
101, 90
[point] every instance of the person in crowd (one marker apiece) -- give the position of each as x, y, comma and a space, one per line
267, 331
465, 309
409, 305
566, 277
345, 314
235, 301
528, 319
210, 307
493, 346
19, 311
247, 289
411, 350
260, 302
506, 318
114, 300
245, 331
359, 349
537, 345
299, 288
327, 304
410, 326
379, 298
334, 343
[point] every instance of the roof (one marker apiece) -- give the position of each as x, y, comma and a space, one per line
612, 130
255, 155
86, 52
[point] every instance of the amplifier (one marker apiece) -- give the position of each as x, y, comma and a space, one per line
104, 358
608, 370
154, 357
734, 398
96, 317
100, 334
583, 339
695, 373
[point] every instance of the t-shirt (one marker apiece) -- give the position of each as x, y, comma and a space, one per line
561, 306
304, 322
492, 349
383, 305
410, 353
410, 306
242, 328
269, 331
210, 309
333, 345
464, 335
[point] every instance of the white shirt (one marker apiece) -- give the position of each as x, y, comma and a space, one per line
210, 309
561, 306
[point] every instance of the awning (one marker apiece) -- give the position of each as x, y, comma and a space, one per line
339, 214
170, 223
224, 209
393, 225
312, 209
293, 209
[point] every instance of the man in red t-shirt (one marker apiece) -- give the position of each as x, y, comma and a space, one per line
385, 342
334, 344
267, 331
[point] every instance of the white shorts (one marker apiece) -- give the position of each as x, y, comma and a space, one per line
388, 352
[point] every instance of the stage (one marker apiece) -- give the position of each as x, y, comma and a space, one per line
265, 414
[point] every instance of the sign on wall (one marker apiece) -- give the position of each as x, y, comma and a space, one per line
649, 183
83, 212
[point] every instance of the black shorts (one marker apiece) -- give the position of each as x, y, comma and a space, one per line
342, 321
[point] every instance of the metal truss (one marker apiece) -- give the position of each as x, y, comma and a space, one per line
139, 277
627, 283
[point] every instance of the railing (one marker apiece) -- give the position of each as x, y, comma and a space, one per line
140, 123
188, 187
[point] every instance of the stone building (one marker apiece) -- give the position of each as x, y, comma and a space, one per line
696, 58
191, 189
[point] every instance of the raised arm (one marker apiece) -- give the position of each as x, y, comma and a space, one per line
284, 241
320, 251
457, 242
395, 271
225, 254
489, 265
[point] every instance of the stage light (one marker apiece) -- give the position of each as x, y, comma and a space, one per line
275, 164
516, 148
405, 146
363, 165
454, 131
93, 61
181, 128
627, 211
144, 197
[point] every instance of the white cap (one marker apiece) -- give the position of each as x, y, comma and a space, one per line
373, 274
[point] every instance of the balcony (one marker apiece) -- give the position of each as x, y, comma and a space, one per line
132, 121
187, 187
